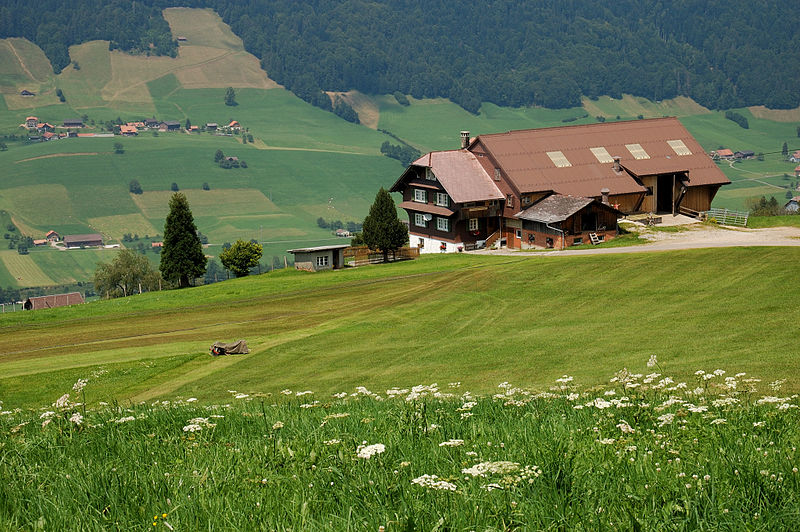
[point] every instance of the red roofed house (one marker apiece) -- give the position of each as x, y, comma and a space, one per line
234, 125
485, 191
128, 131
797, 171
57, 300
795, 157
52, 236
725, 153
31, 122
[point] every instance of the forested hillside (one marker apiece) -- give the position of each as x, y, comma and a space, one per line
56, 25
509, 52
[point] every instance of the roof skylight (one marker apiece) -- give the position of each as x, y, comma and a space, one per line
602, 155
679, 147
559, 159
637, 151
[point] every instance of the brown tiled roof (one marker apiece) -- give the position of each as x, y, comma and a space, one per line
725, 152
92, 237
426, 207
461, 175
56, 300
523, 156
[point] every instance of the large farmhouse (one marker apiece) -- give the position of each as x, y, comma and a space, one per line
487, 190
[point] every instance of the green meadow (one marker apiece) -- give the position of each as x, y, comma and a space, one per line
474, 319
303, 163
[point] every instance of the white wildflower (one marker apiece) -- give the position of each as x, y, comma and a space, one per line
47, 414
332, 442
241, 396
368, 451
191, 400
652, 362
566, 379
488, 468
719, 372
665, 419
433, 482
718, 421
76, 418
80, 385
465, 415
300, 394
125, 419
451, 443
606, 441
277, 425
286, 392
62, 402
192, 428
625, 427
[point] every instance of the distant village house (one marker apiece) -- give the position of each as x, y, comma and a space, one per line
26, 92
52, 236
73, 122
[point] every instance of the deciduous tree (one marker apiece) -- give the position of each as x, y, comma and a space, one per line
382, 230
127, 274
230, 96
182, 258
241, 256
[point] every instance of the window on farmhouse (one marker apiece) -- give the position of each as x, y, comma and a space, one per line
429, 175
510, 200
442, 224
526, 200
322, 261
420, 195
473, 224
442, 200
419, 219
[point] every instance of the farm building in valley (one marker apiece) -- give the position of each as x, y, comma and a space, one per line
52, 301
462, 199
319, 258
83, 241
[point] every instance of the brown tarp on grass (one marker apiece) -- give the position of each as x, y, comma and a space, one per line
234, 348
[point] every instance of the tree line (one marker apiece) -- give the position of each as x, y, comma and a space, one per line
54, 25
511, 52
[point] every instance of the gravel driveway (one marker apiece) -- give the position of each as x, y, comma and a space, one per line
691, 237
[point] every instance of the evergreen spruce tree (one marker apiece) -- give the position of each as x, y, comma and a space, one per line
382, 230
182, 258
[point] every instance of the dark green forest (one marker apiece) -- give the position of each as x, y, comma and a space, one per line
55, 25
510, 52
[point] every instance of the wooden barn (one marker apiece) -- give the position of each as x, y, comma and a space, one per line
471, 197
53, 301
83, 241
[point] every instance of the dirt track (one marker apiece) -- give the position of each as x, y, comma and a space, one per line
692, 237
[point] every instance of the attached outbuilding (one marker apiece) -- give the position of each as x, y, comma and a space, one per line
558, 221
319, 258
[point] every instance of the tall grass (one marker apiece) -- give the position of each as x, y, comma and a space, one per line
643, 452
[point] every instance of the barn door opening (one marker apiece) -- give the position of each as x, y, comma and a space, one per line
665, 194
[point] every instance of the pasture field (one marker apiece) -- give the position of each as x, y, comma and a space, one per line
308, 163
479, 320
716, 452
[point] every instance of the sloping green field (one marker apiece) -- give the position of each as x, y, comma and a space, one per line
304, 163
478, 320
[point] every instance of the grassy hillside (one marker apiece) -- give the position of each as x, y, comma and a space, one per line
304, 163
478, 320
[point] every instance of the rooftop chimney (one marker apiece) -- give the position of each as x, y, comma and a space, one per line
616, 163
464, 140
604, 192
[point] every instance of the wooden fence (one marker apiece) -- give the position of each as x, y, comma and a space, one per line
362, 255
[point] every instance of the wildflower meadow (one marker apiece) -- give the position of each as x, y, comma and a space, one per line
643, 452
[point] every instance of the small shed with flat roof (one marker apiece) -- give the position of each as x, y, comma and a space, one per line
319, 258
